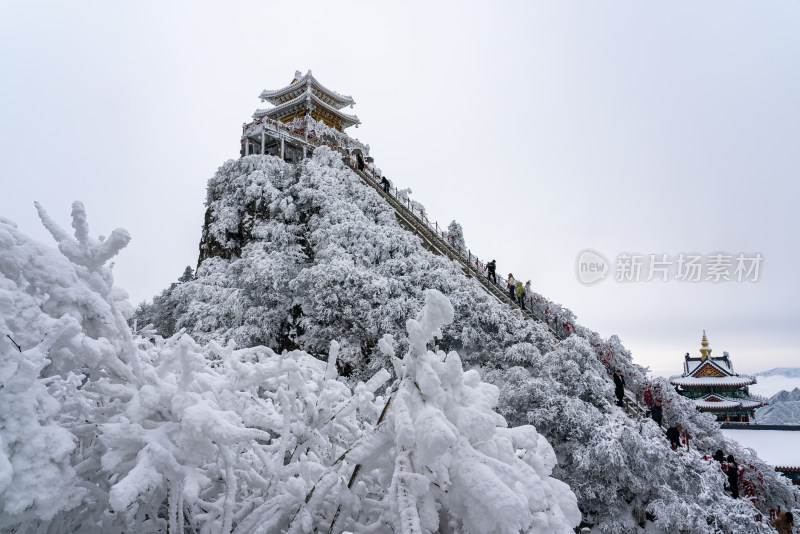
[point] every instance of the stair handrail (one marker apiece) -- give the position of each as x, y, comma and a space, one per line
559, 328
534, 309
538, 306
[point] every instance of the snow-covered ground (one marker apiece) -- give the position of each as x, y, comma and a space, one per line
777, 447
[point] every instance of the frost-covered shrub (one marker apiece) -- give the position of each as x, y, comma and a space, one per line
57, 313
455, 235
454, 453
104, 430
37, 479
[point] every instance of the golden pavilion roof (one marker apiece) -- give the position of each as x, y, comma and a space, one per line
300, 85
306, 96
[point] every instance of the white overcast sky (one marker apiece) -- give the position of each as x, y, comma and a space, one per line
544, 128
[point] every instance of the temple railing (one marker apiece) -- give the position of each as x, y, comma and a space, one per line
305, 131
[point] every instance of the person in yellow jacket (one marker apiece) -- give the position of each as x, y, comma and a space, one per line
519, 292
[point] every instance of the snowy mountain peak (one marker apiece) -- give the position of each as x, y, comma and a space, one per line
783, 409
786, 396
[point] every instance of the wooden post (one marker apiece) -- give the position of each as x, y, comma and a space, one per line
263, 138
283, 151
246, 146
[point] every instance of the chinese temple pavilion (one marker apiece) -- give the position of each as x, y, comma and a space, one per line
715, 388
305, 115
306, 96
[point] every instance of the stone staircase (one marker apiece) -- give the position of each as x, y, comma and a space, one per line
436, 241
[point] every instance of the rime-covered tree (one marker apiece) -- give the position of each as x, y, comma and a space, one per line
297, 256
187, 275
104, 430
455, 234
163, 313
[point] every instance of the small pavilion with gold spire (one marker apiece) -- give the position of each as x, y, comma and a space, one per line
305, 115
711, 382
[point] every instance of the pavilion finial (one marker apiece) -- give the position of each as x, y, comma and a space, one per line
705, 351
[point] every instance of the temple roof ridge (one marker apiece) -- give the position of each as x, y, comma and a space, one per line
711, 371
338, 100
352, 119
703, 381
729, 402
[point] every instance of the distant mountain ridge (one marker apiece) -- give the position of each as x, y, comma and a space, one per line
786, 396
789, 372
783, 409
